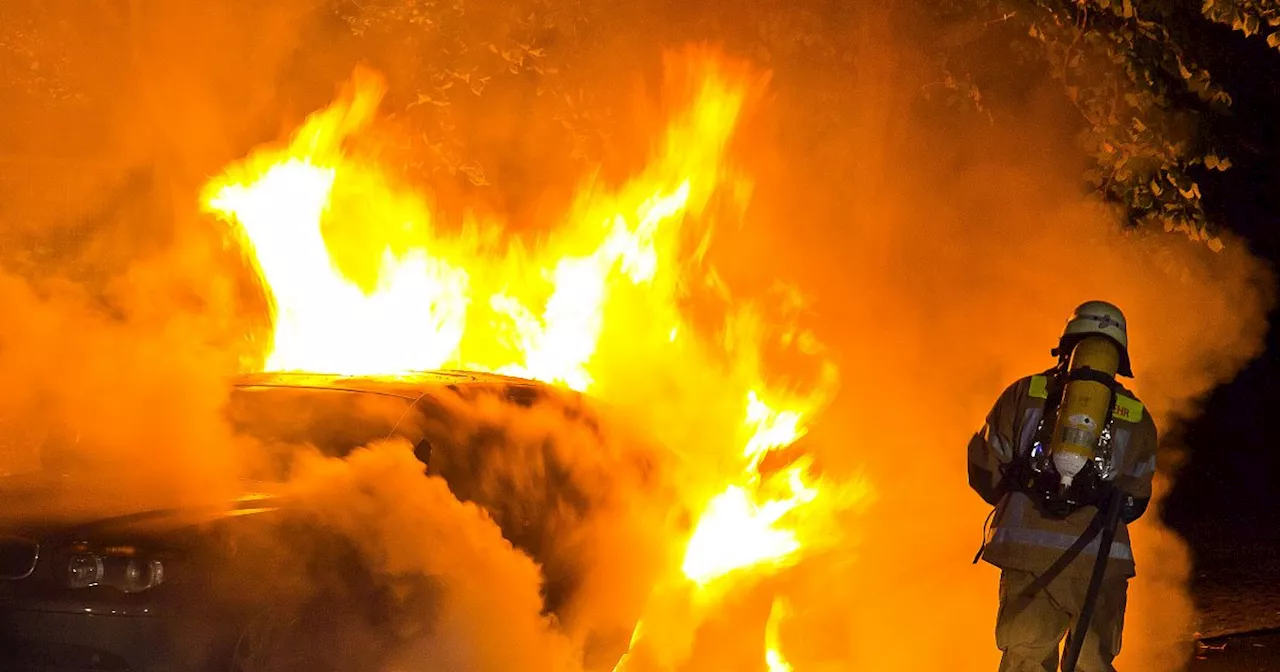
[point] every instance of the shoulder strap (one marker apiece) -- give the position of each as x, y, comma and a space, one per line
1054, 386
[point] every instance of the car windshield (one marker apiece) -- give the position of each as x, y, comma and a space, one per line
334, 421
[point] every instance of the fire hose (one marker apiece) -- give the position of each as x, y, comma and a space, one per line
1104, 523
1076, 642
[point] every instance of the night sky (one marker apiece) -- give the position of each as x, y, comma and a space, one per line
1230, 482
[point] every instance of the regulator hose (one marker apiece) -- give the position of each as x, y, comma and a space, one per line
1076, 642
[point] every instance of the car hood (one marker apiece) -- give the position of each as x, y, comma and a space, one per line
44, 503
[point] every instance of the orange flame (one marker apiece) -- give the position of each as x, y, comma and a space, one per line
362, 280
436, 302
736, 531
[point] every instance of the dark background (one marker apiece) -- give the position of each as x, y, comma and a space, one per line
1226, 489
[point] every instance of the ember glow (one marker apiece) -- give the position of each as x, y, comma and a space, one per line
363, 280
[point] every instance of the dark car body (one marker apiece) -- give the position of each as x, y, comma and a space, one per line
201, 586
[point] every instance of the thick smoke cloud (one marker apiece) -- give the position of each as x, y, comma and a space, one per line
944, 257
131, 399
486, 616
941, 253
561, 482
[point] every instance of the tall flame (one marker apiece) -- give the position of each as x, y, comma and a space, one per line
363, 279
433, 301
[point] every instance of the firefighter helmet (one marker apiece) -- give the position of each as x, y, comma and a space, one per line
1098, 318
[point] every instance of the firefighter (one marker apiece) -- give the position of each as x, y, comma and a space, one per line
1052, 454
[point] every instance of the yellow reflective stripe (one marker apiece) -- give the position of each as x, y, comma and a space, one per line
1126, 408
1129, 410
1039, 387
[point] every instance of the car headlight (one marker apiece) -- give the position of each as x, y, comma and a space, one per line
140, 575
85, 570
120, 568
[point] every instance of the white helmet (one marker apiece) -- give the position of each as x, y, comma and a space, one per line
1098, 318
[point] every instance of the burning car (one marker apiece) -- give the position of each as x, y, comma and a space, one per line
254, 582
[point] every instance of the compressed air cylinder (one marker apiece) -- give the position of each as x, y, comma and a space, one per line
1084, 407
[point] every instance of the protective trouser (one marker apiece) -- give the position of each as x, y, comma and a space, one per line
1030, 628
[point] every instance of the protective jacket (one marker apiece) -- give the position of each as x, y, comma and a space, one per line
1021, 537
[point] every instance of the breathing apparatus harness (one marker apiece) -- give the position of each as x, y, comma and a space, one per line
1034, 473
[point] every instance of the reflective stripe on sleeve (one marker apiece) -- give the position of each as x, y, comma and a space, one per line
1119, 449
1027, 432
1147, 466
1000, 446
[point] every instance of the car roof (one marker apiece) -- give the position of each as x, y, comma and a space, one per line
408, 385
